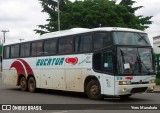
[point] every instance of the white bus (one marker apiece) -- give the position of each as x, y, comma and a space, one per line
99, 61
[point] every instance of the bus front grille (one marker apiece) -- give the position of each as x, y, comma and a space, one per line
139, 82
139, 90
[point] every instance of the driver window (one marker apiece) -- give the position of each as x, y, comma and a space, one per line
108, 62
103, 62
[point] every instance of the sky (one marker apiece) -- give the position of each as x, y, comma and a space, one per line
21, 17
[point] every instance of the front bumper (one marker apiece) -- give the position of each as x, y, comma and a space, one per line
132, 89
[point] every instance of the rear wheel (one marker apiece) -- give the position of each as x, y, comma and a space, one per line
23, 84
31, 84
93, 90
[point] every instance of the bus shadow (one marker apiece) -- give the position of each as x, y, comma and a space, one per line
61, 93
111, 99
132, 99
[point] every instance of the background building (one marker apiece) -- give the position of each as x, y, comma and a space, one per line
156, 44
156, 47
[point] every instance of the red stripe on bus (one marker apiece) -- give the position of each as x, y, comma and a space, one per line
28, 68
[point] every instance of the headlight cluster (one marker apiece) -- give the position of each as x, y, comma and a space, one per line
153, 81
124, 82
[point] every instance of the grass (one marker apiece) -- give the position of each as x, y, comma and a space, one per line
158, 81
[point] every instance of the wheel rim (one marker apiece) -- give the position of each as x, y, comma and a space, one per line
23, 83
31, 85
94, 90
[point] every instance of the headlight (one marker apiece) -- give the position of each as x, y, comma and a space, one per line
153, 81
124, 82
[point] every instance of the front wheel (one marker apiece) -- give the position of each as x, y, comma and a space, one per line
31, 84
93, 90
23, 84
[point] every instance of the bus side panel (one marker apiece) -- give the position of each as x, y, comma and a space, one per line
108, 84
46, 78
77, 68
74, 79
9, 75
58, 77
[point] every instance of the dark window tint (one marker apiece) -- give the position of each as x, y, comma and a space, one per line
77, 43
101, 39
25, 50
50, 47
97, 62
37, 48
86, 43
15, 51
6, 51
65, 45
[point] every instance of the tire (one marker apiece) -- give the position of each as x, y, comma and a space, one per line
93, 90
125, 96
23, 83
31, 85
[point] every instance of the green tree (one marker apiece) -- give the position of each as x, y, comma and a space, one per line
91, 14
133, 21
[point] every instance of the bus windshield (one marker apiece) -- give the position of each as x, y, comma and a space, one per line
130, 38
135, 61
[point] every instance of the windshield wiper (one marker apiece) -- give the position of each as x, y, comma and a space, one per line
145, 67
142, 38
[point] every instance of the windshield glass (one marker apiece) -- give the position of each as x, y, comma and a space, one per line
130, 38
146, 59
135, 61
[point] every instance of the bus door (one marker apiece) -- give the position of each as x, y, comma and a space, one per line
103, 66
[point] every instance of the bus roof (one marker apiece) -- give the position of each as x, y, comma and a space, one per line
74, 31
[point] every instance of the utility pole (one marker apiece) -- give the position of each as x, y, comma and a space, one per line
4, 34
58, 2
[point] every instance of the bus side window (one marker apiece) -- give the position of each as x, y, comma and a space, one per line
76, 44
65, 45
50, 47
108, 62
15, 51
6, 52
37, 48
86, 43
25, 50
101, 39
34, 49
40, 48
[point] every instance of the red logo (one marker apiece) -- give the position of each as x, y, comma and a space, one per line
129, 78
21, 66
72, 60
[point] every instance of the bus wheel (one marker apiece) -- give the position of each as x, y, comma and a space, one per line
31, 84
23, 84
93, 90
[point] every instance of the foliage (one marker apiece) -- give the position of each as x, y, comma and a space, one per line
158, 81
91, 14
